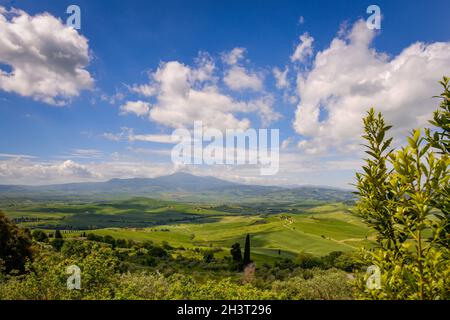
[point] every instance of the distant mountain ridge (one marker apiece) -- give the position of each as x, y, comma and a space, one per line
178, 186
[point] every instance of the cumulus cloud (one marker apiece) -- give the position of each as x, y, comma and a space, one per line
183, 94
179, 103
349, 77
303, 49
286, 143
26, 171
71, 168
281, 77
145, 90
238, 78
47, 58
234, 56
139, 108
112, 99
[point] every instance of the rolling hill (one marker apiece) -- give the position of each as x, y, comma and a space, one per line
180, 187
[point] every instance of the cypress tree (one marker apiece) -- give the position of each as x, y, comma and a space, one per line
58, 241
58, 234
237, 256
246, 259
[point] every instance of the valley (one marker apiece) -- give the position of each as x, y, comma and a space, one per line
277, 231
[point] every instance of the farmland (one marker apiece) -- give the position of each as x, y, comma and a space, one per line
282, 231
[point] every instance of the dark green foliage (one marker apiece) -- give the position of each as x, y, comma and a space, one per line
286, 264
94, 237
46, 278
58, 234
57, 243
121, 243
58, 240
308, 261
39, 236
236, 255
157, 252
150, 261
208, 256
109, 240
246, 260
15, 246
166, 245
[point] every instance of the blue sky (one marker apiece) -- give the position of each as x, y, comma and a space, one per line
89, 125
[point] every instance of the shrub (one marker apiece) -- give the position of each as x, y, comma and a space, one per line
308, 261
15, 245
46, 278
208, 257
323, 285
404, 196
39, 236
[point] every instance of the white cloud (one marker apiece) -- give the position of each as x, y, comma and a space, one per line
20, 156
82, 154
71, 168
139, 108
47, 58
238, 78
303, 49
286, 143
281, 77
146, 90
295, 168
112, 99
26, 171
185, 94
205, 67
112, 136
234, 56
301, 20
158, 138
349, 77
128, 134
179, 103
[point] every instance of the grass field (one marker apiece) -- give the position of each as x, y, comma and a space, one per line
316, 230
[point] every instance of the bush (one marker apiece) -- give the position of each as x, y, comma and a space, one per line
39, 236
323, 285
109, 240
308, 261
404, 197
57, 243
208, 257
15, 245
158, 252
94, 237
140, 286
46, 277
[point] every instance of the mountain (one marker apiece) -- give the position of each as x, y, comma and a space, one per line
178, 186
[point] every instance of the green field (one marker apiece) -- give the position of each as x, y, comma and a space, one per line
293, 229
